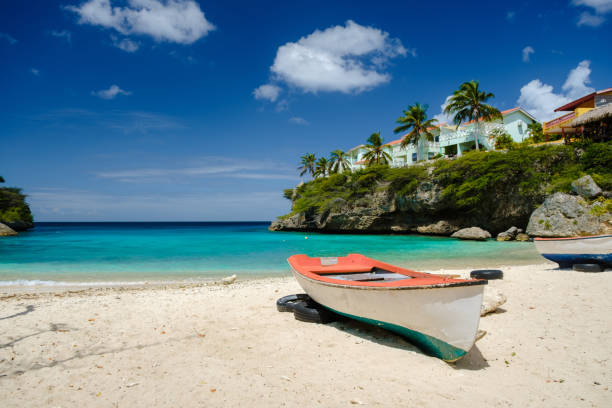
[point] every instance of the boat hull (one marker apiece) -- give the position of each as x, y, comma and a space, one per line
442, 321
579, 250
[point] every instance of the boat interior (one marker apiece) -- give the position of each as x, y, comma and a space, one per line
375, 274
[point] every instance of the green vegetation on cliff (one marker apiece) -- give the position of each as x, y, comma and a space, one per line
475, 183
13, 207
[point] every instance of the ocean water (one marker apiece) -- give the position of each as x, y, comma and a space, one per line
55, 253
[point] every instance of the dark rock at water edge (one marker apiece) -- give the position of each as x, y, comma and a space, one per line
6, 231
19, 225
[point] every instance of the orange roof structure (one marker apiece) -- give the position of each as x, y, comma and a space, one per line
574, 104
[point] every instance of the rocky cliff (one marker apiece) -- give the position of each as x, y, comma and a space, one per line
491, 190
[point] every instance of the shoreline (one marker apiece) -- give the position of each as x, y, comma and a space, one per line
38, 286
227, 345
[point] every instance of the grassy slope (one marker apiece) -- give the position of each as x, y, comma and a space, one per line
471, 183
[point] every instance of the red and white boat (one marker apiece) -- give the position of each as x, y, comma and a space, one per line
438, 313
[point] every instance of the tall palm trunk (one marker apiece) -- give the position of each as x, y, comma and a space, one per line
477, 134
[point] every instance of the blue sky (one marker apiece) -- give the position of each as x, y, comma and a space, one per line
152, 110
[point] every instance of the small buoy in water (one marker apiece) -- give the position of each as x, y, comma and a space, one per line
305, 237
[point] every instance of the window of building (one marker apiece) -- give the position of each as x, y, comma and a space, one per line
437, 139
414, 157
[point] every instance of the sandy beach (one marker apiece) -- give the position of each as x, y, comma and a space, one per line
226, 345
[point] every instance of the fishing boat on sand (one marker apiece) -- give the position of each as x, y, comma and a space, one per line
596, 249
438, 313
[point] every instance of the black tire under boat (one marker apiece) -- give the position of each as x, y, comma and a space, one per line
311, 312
287, 303
587, 267
487, 274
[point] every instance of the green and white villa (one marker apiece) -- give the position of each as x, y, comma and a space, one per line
452, 141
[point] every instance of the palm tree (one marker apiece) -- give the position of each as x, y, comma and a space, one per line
468, 104
376, 153
339, 162
415, 121
322, 167
307, 164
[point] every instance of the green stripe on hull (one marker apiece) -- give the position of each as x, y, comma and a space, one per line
429, 344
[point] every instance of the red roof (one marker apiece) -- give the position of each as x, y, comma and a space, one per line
504, 113
572, 105
399, 140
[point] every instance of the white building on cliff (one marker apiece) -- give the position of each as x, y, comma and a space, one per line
451, 141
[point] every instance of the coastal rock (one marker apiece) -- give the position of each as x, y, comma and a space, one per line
294, 222
6, 231
491, 300
441, 227
473, 233
586, 187
504, 236
564, 215
427, 198
228, 280
509, 235
522, 237
19, 225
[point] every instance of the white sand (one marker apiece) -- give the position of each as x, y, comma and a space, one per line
228, 346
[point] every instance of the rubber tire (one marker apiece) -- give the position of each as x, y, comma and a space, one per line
287, 303
588, 267
312, 312
487, 274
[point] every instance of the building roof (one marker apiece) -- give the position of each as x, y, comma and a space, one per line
507, 112
572, 105
355, 148
594, 115
394, 142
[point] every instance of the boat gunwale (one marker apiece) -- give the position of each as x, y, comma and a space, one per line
441, 281
473, 282
572, 238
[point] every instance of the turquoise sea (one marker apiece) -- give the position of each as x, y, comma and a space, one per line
53, 253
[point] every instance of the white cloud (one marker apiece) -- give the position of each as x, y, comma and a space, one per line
575, 85
600, 7
267, 91
64, 35
180, 21
590, 20
8, 38
527, 51
442, 117
125, 44
540, 100
299, 121
110, 93
34, 72
209, 167
349, 58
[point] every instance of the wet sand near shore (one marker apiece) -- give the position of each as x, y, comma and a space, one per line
211, 345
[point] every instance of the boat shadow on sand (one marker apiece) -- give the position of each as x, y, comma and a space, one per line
473, 360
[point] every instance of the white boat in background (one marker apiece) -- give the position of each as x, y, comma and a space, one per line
438, 313
566, 252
